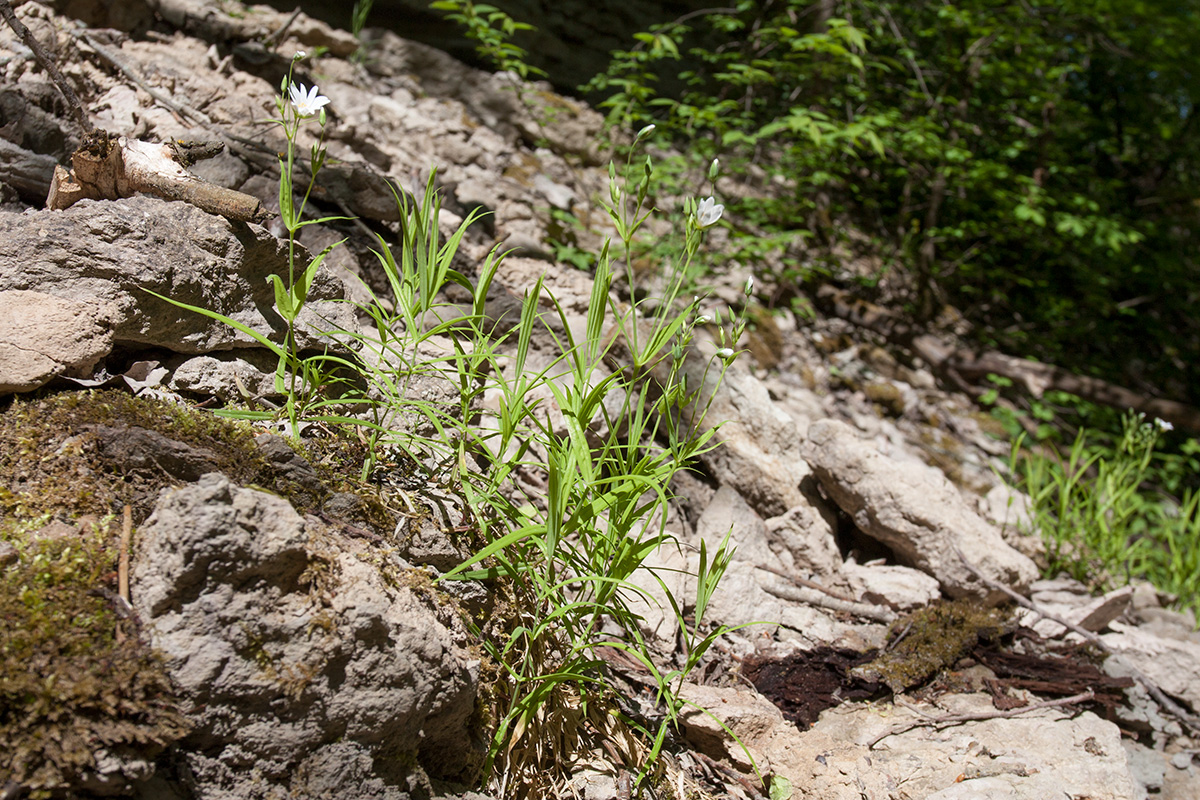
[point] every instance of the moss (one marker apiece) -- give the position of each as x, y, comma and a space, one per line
887, 397
74, 677
50, 462
923, 643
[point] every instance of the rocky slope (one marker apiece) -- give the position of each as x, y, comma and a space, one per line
307, 652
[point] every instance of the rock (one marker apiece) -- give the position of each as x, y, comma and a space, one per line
713, 710
900, 588
759, 455
310, 673
803, 538
43, 336
29, 173
136, 450
288, 465
232, 376
1046, 753
915, 511
106, 255
1172, 663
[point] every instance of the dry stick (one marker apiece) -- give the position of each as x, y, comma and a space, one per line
127, 71
929, 721
47, 63
123, 559
277, 37
1141, 677
816, 595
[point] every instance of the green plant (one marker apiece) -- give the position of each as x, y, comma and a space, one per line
1103, 520
358, 20
492, 29
570, 557
300, 380
606, 423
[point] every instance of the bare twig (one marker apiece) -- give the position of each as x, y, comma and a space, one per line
277, 37
123, 558
930, 721
43, 58
816, 595
119, 63
1151, 687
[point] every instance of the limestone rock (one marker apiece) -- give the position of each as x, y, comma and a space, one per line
901, 588
107, 254
299, 659
1046, 753
1173, 663
915, 511
43, 336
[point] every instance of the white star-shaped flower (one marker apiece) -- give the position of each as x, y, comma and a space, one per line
708, 212
306, 101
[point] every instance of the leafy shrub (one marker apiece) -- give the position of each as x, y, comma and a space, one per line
1021, 161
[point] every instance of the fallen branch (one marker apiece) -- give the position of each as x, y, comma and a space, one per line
930, 721
43, 58
959, 364
109, 168
1152, 688
812, 594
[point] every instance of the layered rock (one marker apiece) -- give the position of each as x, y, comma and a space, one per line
307, 672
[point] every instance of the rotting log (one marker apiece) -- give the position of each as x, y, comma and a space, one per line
107, 167
962, 365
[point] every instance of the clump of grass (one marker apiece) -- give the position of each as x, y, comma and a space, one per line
1103, 518
563, 559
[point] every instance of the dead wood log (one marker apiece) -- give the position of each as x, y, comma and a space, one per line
962, 365
107, 168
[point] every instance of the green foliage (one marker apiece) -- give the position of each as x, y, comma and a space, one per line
1021, 161
605, 424
74, 678
571, 556
492, 29
1104, 516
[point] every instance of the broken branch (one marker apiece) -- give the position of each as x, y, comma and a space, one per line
930, 721
43, 58
109, 168
1152, 688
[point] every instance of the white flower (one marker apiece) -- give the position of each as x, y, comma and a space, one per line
645, 131
300, 55
703, 319
708, 212
749, 287
725, 353
306, 101
1163, 425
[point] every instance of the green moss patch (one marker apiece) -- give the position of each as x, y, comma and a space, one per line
74, 678
925, 642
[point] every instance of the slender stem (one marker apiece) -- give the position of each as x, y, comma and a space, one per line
43, 58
